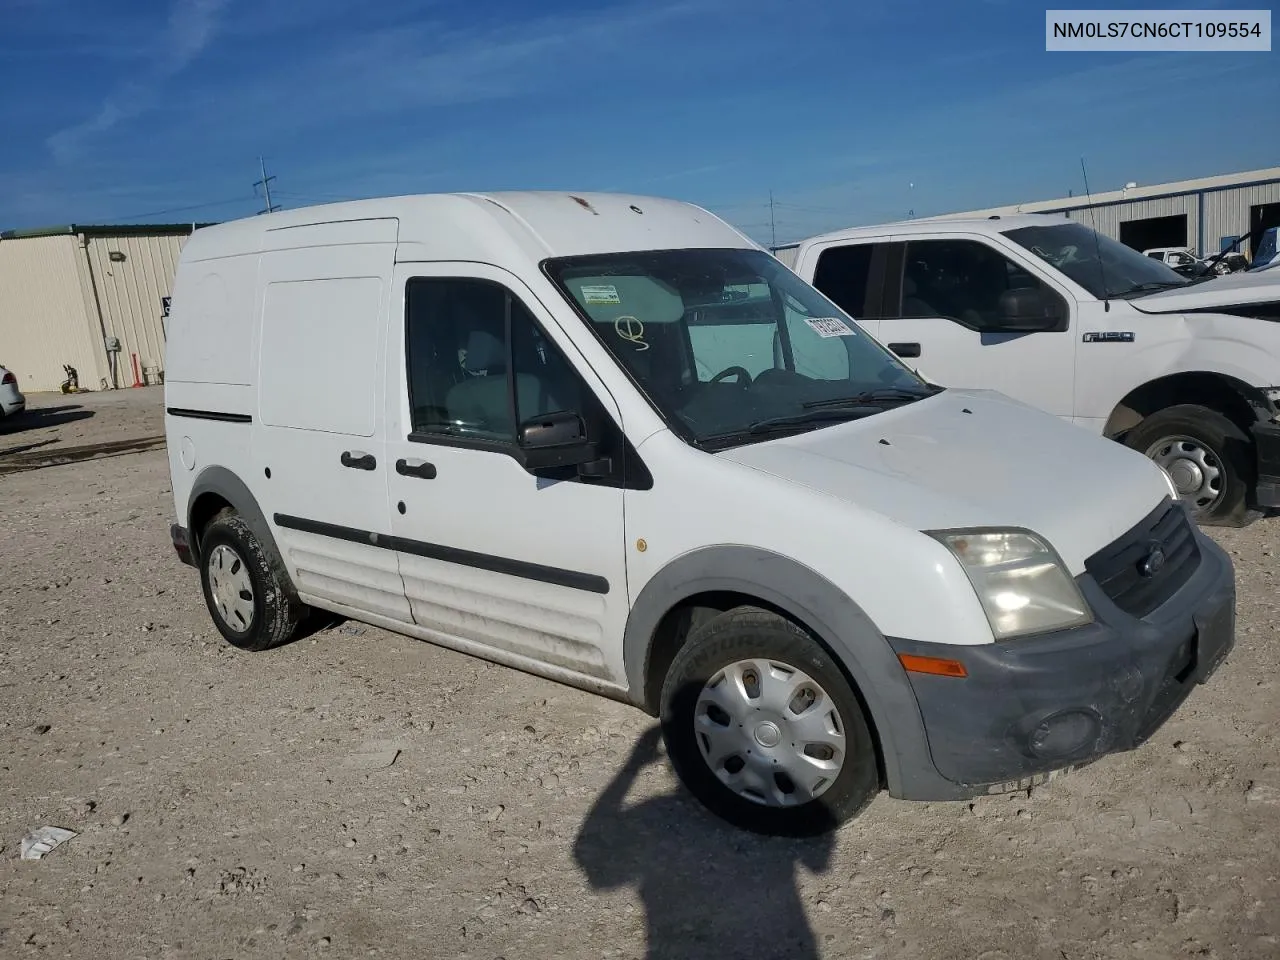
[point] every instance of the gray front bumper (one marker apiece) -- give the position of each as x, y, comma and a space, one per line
1028, 707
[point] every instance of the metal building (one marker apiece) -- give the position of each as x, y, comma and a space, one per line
92, 297
1203, 215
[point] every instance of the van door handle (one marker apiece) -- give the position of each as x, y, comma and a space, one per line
905, 349
416, 468
358, 461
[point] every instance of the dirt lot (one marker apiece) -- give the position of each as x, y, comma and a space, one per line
359, 793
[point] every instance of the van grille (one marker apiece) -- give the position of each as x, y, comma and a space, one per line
1120, 571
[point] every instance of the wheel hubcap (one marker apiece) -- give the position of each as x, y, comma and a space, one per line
1195, 469
770, 733
231, 588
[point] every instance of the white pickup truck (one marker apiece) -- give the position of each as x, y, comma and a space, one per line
1051, 313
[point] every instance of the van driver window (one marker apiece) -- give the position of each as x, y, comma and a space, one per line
459, 356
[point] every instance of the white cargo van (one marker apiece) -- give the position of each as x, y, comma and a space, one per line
608, 440
1050, 312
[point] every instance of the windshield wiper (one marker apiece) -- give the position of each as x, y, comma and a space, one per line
879, 397
774, 424
1151, 286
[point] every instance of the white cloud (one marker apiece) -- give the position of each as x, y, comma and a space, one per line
191, 27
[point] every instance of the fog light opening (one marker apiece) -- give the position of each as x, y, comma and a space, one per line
1063, 734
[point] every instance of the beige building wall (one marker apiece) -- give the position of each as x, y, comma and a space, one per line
47, 317
129, 292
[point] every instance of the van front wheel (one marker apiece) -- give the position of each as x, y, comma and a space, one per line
249, 606
1210, 459
764, 729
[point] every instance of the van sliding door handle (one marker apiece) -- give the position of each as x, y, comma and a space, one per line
905, 349
358, 461
416, 468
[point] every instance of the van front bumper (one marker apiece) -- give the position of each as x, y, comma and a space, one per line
1033, 707
1266, 441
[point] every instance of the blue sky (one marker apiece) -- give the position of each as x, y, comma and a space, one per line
848, 112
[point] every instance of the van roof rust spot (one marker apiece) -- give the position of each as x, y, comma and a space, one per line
582, 203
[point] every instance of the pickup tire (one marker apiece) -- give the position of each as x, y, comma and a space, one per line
1210, 459
249, 605
764, 729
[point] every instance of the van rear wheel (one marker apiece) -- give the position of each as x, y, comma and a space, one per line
1210, 459
763, 728
249, 606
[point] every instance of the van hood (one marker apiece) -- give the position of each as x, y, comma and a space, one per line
1233, 292
973, 458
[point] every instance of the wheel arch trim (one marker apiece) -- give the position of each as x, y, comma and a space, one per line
225, 484
836, 620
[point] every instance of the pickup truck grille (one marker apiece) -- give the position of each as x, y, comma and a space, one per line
1123, 571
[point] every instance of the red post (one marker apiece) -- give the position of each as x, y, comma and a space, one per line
137, 379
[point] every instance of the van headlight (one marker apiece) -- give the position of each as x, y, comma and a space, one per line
1021, 582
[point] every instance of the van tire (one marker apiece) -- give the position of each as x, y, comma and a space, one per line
750, 633
1228, 448
275, 614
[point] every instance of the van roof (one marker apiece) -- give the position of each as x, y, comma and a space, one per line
940, 224
467, 226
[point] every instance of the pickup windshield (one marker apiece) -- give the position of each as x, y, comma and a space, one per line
729, 345
1074, 249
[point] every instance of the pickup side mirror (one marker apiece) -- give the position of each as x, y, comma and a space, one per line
1031, 310
555, 440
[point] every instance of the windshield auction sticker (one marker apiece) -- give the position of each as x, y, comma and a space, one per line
600, 294
829, 327
1143, 31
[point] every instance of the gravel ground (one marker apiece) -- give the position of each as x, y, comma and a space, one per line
366, 794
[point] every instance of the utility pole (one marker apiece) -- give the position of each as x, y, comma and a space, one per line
265, 184
773, 230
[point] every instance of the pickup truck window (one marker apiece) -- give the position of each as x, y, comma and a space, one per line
964, 280
842, 273
1074, 249
721, 341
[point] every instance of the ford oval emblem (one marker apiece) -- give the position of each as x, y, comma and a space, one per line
1153, 562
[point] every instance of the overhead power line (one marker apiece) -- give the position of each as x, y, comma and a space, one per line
314, 198
194, 206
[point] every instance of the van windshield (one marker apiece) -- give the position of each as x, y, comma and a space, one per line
729, 345
1074, 249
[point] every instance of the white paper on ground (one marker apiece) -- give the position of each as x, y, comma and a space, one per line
43, 839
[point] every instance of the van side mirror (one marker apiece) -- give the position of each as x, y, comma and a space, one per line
554, 440
1031, 310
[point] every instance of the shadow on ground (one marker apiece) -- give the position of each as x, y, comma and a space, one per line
43, 417
709, 889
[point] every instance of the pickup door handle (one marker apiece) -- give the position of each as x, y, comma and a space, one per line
905, 349
359, 461
416, 468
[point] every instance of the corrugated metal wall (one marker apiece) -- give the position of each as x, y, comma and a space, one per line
1226, 212
47, 317
787, 255
1107, 219
129, 293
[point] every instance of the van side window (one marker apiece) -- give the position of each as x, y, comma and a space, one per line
463, 360
467, 343
964, 281
842, 274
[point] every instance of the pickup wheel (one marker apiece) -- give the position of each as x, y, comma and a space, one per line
248, 604
1210, 459
763, 728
